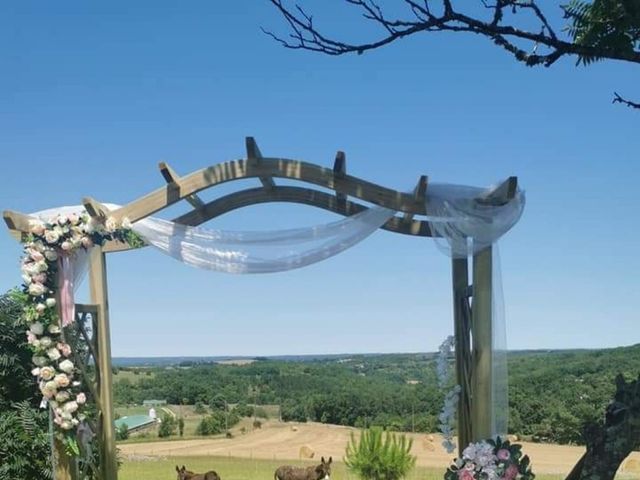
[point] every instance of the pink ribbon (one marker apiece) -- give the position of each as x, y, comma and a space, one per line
65, 286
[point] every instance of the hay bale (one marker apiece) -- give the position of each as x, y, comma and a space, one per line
306, 452
294, 429
631, 466
513, 438
428, 444
431, 438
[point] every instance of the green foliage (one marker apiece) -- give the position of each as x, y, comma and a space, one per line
200, 408
24, 448
167, 426
379, 455
606, 25
24, 441
243, 410
260, 412
122, 433
293, 411
217, 422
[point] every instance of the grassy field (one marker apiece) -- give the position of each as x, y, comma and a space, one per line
247, 469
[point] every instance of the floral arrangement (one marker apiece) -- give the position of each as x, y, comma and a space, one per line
448, 413
46, 249
491, 460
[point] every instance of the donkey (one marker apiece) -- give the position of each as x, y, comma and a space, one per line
184, 474
319, 472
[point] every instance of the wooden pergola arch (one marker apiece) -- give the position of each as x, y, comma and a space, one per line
472, 319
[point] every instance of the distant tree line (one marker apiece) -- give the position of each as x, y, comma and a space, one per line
552, 394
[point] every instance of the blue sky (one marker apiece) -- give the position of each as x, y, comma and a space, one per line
92, 97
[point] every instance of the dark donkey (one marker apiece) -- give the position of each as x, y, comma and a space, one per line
184, 474
319, 472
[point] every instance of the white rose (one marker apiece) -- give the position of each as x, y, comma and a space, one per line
75, 422
37, 228
81, 398
53, 329
62, 219
53, 353
61, 380
37, 328
40, 308
66, 246
36, 289
49, 389
62, 396
51, 236
110, 224
66, 425
39, 361
47, 372
50, 302
51, 255
66, 366
26, 279
35, 372
42, 266
45, 342
70, 407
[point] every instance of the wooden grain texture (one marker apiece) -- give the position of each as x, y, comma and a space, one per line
99, 297
482, 334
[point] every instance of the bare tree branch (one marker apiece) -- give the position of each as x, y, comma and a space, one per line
522, 43
618, 99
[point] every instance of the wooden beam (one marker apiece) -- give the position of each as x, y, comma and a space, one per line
501, 193
171, 177
482, 335
95, 209
270, 167
285, 194
339, 171
419, 194
99, 297
17, 221
254, 157
462, 330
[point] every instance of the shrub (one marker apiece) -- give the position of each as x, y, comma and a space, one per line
293, 411
200, 408
122, 433
379, 455
243, 410
260, 412
216, 422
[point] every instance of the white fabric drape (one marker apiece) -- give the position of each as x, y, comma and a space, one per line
462, 225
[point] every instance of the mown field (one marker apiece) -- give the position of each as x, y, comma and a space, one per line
246, 469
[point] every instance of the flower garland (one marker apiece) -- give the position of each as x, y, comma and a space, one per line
48, 245
491, 460
448, 413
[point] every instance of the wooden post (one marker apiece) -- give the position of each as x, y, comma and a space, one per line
481, 328
98, 286
462, 326
63, 463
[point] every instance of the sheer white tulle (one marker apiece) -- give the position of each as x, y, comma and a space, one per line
462, 226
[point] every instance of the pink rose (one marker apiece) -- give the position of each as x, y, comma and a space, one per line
87, 242
503, 454
81, 398
511, 472
465, 474
31, 337
39, 278
36, 255
37, 228
64, 348
66, 246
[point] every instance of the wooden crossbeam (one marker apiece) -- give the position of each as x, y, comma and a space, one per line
500, 194
95, 209
339, 171
419, 194
254, 156
172, 178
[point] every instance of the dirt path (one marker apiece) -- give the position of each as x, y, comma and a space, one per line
283, 441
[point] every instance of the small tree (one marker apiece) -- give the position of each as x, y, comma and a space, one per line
379, 455
181, 426
167, 426
200, 408
123, 432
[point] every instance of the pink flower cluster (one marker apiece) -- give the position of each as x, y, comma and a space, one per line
491, 460
56, 373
